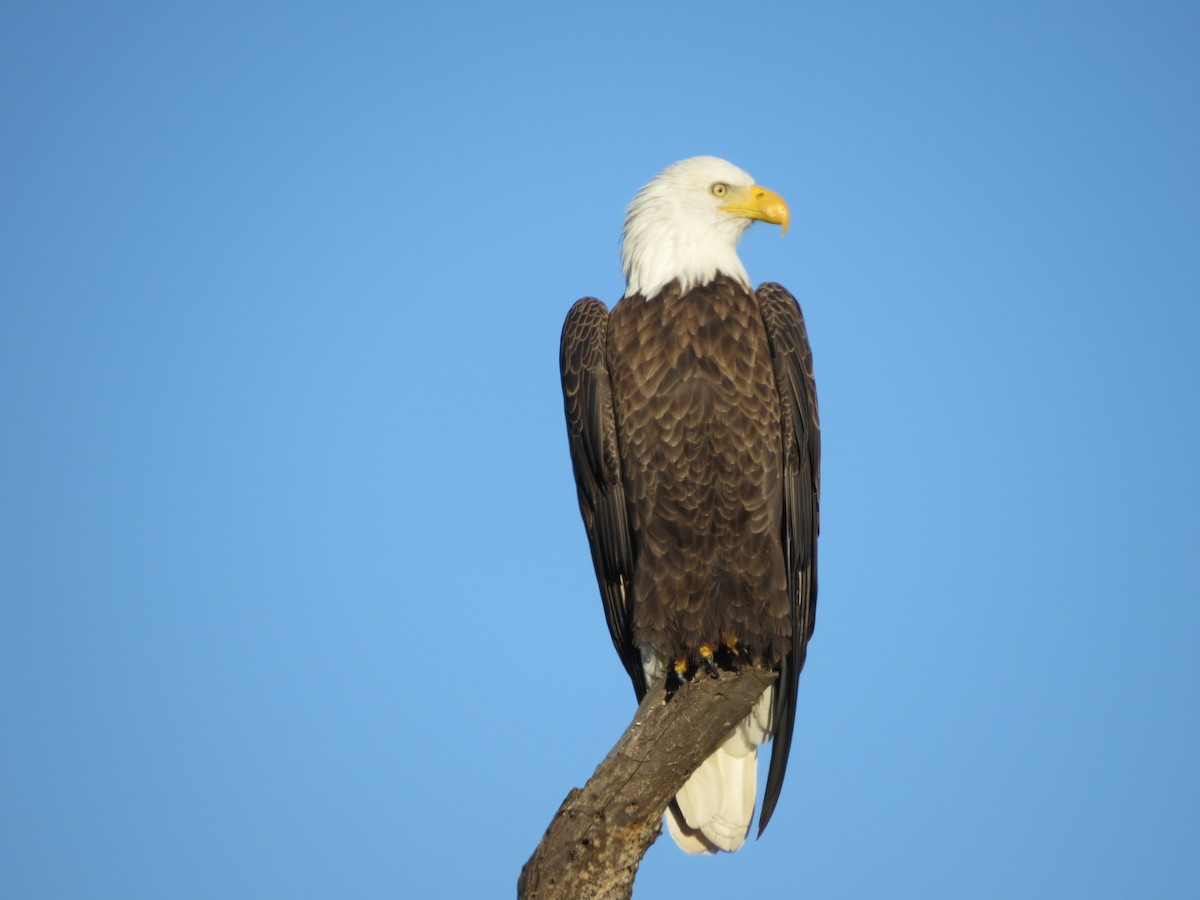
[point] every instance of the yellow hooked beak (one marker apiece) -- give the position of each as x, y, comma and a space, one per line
756, 202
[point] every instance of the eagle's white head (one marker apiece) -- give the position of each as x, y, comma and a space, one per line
686, 223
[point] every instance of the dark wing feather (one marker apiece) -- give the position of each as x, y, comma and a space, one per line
792, 358
595, 457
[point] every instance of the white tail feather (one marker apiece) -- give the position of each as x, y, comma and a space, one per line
716, 803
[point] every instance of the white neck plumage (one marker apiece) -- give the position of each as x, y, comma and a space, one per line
657, 251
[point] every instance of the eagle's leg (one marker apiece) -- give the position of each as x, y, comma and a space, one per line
727, 655
706, 657
681, 669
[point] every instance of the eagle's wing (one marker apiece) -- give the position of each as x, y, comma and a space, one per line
792, 358
595, 457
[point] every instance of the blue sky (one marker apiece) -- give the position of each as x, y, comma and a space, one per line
295, 600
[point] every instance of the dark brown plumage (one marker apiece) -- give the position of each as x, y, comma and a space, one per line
692, 420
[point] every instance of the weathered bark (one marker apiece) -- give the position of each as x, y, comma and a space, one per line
594, 844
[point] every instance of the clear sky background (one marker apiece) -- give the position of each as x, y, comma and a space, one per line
294, 596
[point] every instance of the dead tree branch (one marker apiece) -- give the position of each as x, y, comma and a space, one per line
594, 844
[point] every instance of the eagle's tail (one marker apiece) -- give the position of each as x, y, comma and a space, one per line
714, 808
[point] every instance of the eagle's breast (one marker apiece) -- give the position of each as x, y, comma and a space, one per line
698, 423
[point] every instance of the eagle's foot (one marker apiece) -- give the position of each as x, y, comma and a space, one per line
727, 656
682, 672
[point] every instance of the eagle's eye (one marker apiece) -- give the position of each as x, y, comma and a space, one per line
720, 189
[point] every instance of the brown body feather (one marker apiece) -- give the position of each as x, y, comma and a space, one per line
697, 415
692, 421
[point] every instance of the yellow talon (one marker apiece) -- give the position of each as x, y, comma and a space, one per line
681, 668
706, 651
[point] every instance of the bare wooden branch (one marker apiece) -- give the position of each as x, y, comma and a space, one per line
597, 839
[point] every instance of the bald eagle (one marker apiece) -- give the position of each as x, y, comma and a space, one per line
692, 419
